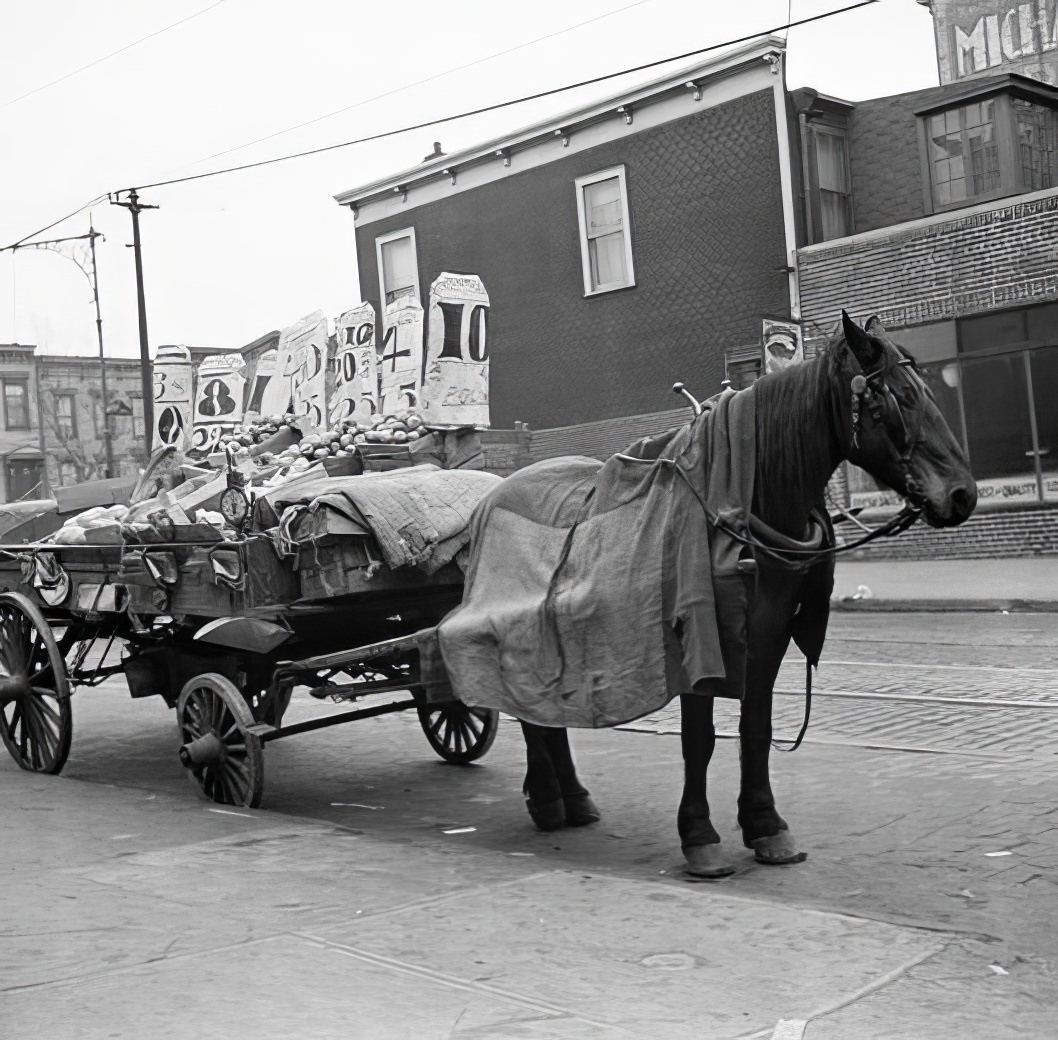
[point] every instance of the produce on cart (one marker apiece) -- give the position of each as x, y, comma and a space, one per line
286, 559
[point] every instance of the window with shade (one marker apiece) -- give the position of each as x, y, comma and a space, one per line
605, 235
398, 269
65, 417
832, 175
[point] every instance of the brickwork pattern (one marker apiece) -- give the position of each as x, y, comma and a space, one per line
989, 259
709, 255
1030, 532
884, 161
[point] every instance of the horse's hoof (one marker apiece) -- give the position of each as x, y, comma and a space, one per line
581, 810
709, 861
548, 816
776, 850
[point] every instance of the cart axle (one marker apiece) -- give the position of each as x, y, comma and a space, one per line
202, 751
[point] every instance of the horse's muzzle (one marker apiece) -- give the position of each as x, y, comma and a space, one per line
957, 507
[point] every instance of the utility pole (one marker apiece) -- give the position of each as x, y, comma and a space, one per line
108, 447
134, 206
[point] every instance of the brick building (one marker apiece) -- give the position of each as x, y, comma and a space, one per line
953, 241
623, 246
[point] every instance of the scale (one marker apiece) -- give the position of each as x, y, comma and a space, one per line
234, 501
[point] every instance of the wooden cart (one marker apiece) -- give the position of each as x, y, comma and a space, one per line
224, 632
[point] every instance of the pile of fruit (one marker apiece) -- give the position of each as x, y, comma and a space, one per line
253, 433
349, 435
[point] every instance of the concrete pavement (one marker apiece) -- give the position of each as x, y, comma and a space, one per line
385, 895
1021, 583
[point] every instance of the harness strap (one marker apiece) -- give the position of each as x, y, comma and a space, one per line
808, 713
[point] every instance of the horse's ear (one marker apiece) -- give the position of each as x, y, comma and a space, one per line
874, 327
866, 350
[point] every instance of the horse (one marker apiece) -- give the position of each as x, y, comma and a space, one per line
860, 399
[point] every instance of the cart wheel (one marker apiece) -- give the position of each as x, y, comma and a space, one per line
223, 758
457, 733
35, 720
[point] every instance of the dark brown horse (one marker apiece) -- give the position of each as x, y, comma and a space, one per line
860, 400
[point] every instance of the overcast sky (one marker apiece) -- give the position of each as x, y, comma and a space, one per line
217, 84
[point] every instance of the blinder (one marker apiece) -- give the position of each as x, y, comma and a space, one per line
871, 390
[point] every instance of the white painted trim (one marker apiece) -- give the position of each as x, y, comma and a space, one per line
582, 227
786, 184
380, 241
551, 148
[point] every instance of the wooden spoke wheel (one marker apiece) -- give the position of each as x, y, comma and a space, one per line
35, 720
223, 758
457, 733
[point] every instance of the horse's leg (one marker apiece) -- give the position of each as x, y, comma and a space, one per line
763, 829
542, 788
580, 809
701, 843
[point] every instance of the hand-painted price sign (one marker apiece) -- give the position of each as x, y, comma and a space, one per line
300, 381
355, 393
456, 384
173, 382
218, 399
263, 371
400, 359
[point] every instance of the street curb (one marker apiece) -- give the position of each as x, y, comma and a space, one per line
982, 606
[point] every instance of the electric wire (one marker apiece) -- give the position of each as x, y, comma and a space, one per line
504, 104
451, 118
421, 82
107, 57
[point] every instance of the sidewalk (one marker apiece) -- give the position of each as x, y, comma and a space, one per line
1024, 584
435, 911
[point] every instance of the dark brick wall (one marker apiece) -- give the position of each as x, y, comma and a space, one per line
708, 250
986, 535
884, 161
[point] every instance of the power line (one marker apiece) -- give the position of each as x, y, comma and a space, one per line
507, 104
107, 57
422, 82
459, 115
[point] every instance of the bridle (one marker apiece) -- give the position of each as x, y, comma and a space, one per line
871, 390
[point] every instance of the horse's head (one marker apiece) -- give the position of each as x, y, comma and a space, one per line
894, 430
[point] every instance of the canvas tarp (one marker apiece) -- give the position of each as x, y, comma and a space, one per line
594, 594
418, 517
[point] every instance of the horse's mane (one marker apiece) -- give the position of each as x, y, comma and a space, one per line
797, 448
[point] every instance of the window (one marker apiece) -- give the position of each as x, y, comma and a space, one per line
832, 177
65, 416
16, 404
964, 153
1036, 145
398, 271
605, 238
992, 146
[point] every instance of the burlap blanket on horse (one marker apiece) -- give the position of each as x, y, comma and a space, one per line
593, 594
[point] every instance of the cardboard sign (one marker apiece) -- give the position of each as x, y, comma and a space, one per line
782, 344
173, 386
218, 399
264, 371
355, 393
400, 358
302, 365
456, 381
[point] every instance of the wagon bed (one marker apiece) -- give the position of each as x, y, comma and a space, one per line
224, 632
